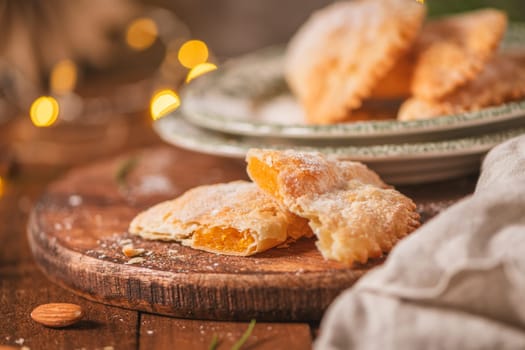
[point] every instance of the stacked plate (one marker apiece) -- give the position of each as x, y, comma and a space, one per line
246, 103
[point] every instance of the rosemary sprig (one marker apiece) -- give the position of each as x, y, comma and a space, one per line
237, 346
123, 171
245, 336
214, 342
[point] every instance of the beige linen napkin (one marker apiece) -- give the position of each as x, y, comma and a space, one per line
456, 283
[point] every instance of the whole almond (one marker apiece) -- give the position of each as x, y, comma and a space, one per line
57, 315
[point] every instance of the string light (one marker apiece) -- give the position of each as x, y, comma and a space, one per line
44, 111
199, 70
192, 53
141, 33
163, 102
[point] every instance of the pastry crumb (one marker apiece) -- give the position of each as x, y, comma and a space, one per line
135, 261
131, 251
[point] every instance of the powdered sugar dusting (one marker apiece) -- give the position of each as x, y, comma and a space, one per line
238, 205
351, 210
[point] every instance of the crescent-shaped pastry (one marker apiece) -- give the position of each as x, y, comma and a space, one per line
341, 52
235, 218
354, 215
501, 81
453, 50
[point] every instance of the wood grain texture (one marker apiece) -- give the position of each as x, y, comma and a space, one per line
19, 195
77, 227
157, 332
24, 287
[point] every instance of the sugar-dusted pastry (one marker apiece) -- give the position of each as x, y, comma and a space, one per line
341, 52
453, 50
359, 222
502, 80
288, 175
354, 215
235, 218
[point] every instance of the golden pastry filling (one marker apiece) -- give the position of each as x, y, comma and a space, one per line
225, 239
264, 175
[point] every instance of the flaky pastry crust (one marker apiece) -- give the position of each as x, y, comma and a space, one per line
502, 80
453, 50
353, 213
341, 52
235, 218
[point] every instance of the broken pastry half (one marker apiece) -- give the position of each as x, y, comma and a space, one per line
353, 213
289, 175
235, 218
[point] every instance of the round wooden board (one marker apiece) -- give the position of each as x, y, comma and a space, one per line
77, 229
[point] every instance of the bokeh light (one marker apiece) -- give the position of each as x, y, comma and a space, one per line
163, 102
2, 186
63, 77
199, 70
192, 53
44, 111
141, 33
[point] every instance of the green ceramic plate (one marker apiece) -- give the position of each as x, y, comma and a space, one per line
248, 96
396, 163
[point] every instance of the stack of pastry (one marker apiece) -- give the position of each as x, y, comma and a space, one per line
367, 49
352, 212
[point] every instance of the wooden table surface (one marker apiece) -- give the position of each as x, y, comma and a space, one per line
23, 286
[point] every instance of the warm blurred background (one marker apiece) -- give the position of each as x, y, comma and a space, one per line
274, 21
80, 77
514, 8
